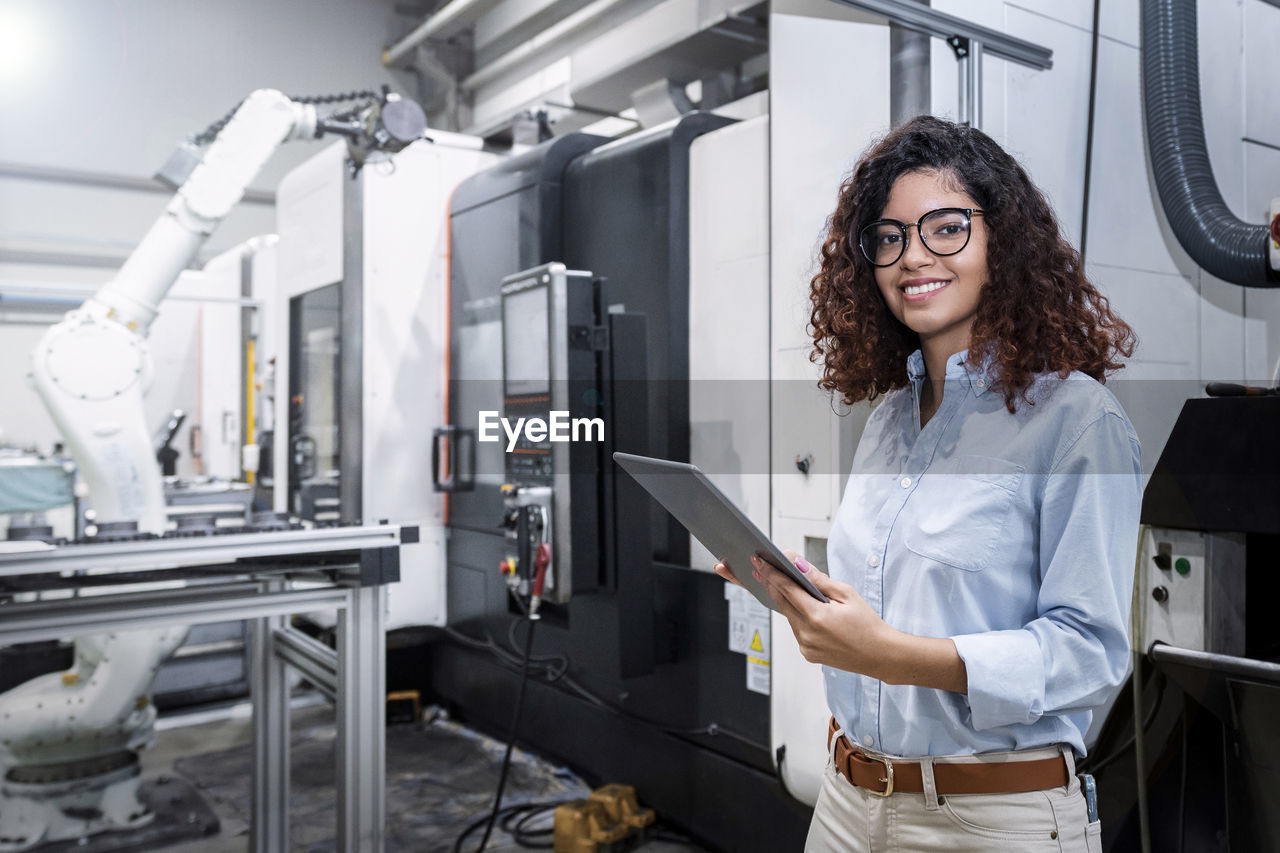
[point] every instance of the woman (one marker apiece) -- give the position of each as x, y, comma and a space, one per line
982, 557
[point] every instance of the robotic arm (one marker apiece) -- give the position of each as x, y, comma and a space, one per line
93, 368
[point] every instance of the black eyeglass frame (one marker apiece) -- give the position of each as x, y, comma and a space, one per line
904, 229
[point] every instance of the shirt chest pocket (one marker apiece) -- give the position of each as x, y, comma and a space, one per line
959, 509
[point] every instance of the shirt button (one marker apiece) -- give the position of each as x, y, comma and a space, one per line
981, 383
873, 560
906, 482
867, 740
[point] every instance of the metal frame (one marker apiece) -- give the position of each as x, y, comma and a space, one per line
943, 26
196, 550
351, 401
969, 41
353, 675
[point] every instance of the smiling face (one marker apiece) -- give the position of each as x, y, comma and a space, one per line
936, 297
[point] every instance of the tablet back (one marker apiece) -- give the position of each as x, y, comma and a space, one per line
725, 531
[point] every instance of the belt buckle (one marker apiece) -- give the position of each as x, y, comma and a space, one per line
887, 779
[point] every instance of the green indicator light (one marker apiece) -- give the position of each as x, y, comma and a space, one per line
1182, 566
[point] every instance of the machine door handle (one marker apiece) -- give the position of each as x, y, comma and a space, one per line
460, 459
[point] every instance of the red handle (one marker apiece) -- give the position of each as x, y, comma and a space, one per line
540, 563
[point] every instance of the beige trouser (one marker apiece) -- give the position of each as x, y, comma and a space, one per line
849, 819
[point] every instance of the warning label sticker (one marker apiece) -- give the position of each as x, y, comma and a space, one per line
749, 635
758, 676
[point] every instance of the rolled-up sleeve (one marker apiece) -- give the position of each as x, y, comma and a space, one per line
1076, 651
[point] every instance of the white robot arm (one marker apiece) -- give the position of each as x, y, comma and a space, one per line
69, 738
93, 368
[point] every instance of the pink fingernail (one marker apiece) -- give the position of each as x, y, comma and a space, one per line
803, 565
755, 575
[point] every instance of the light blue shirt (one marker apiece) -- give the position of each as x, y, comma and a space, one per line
1014, 535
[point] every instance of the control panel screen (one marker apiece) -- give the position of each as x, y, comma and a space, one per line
525, 342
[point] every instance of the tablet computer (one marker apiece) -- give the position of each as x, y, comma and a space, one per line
721, 527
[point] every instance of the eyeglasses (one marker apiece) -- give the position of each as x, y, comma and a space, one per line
944, 232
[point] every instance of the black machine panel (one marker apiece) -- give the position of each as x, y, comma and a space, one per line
1208, 726
649, 641
502, 220
1219, 468
627, 220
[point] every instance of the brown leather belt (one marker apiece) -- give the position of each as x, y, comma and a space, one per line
882, 776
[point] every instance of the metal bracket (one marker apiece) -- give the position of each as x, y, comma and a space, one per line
379, 566
968, 53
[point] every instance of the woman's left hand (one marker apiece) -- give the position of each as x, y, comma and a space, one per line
844, 633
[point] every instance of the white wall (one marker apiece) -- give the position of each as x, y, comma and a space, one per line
1192, 328
111, 87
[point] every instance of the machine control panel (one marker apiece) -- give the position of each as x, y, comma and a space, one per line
1189, 590
1172, 603
552, 453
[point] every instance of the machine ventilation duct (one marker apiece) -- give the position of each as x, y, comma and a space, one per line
1228, 248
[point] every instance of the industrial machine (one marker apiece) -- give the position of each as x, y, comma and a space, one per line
71, 738
650, 690
1206, 692
358, 320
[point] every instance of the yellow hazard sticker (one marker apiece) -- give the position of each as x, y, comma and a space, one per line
756, 645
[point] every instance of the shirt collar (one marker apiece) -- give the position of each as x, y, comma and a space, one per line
975, 375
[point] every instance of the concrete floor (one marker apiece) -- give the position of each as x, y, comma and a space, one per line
180, 738
177, 739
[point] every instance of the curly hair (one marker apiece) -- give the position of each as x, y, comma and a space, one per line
1037, 311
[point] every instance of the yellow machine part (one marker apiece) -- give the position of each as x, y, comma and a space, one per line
620, 804
583, 826
598, 824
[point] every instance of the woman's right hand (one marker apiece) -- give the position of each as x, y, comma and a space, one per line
725, 572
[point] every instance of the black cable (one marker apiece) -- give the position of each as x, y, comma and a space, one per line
1096, 766
561, 661
561, 676
709, 730
507, 813
211, 132
1088, 137
1182, 783
511, 738
659, 832
538, 839
553, 666
1226, 787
